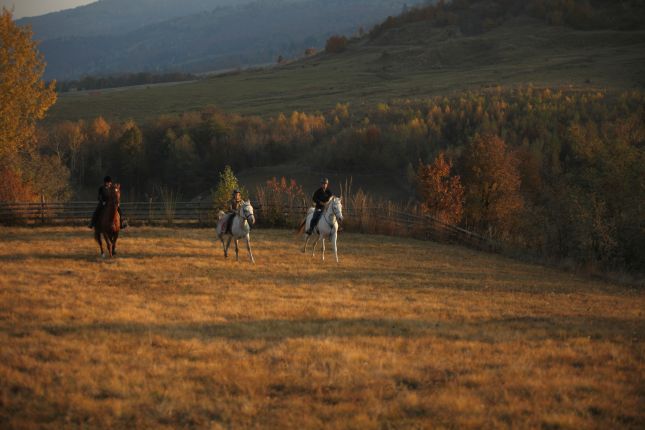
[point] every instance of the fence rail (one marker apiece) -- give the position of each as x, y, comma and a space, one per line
387, 219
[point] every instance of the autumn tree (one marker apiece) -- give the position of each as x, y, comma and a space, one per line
441, 194
24, 98
492, 184
227, 183
98, 134
129, 156
336, 44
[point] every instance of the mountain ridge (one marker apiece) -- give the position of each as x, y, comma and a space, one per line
234, 34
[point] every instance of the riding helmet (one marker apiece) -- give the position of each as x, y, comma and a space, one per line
107, 179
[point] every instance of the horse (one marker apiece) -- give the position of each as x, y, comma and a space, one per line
108, 222
240, 228
327, 225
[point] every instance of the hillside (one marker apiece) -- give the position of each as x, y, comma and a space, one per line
401, 334
204, 36
411, 60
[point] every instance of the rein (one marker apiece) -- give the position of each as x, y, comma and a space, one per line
327, 215
240, 213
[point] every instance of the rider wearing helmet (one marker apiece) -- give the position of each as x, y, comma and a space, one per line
320, 198
234, 206
103, 198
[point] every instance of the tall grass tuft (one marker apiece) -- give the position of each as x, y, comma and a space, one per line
169, 199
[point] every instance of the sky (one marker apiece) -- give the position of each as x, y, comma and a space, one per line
22, 8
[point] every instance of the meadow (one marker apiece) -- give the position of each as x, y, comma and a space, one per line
400, 334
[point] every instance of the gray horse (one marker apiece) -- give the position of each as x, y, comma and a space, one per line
240, 228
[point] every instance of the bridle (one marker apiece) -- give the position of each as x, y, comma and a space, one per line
333, 205
114, 195
242, 213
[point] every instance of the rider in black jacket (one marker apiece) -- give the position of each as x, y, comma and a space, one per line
320, 198
103, 198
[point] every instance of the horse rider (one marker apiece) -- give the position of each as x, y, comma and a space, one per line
233, 206
103, 199
320, 198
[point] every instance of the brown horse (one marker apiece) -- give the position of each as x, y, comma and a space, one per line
108, 222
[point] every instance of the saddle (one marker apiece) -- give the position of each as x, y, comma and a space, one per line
228, 223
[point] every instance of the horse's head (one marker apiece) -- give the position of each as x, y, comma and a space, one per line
337, 207
115, 193
246, 212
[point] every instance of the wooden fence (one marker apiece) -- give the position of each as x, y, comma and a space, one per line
385, 219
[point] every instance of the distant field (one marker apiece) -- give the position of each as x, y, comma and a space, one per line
411, 62
400, 334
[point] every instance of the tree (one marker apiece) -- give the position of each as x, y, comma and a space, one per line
492, 184
130, 155
336, 44
441, 195
227, 183
24, 97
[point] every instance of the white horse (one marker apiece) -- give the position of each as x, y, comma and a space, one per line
240, 228
327, 225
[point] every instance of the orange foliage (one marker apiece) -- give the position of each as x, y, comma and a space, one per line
13, 188
442, 195
492, 181
336, 44
279, 199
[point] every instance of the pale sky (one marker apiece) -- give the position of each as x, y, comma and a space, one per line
22, 8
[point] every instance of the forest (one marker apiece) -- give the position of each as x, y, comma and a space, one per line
559, 171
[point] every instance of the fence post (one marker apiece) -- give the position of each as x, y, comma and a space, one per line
150, 211
42, 209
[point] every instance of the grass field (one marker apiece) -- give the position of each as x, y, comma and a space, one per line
400, 334
413, 61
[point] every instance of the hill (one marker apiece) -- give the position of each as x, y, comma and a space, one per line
198, 38
408, 60
401, 334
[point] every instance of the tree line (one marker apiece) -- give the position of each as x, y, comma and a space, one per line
478, 16
556, 170
123, 80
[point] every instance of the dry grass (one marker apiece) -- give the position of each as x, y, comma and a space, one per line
401, 334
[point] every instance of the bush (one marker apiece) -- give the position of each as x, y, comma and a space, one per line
336, 44
280, 202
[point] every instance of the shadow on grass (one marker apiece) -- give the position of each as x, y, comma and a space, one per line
488, 331
92, 257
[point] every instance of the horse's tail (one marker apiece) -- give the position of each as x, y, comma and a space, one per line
301, 227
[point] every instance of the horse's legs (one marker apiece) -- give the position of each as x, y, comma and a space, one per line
304, 249
248, 246
334, 239
237, 257
315, 243
228, 244
108, 243
97, 237
323, 248
116, 236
